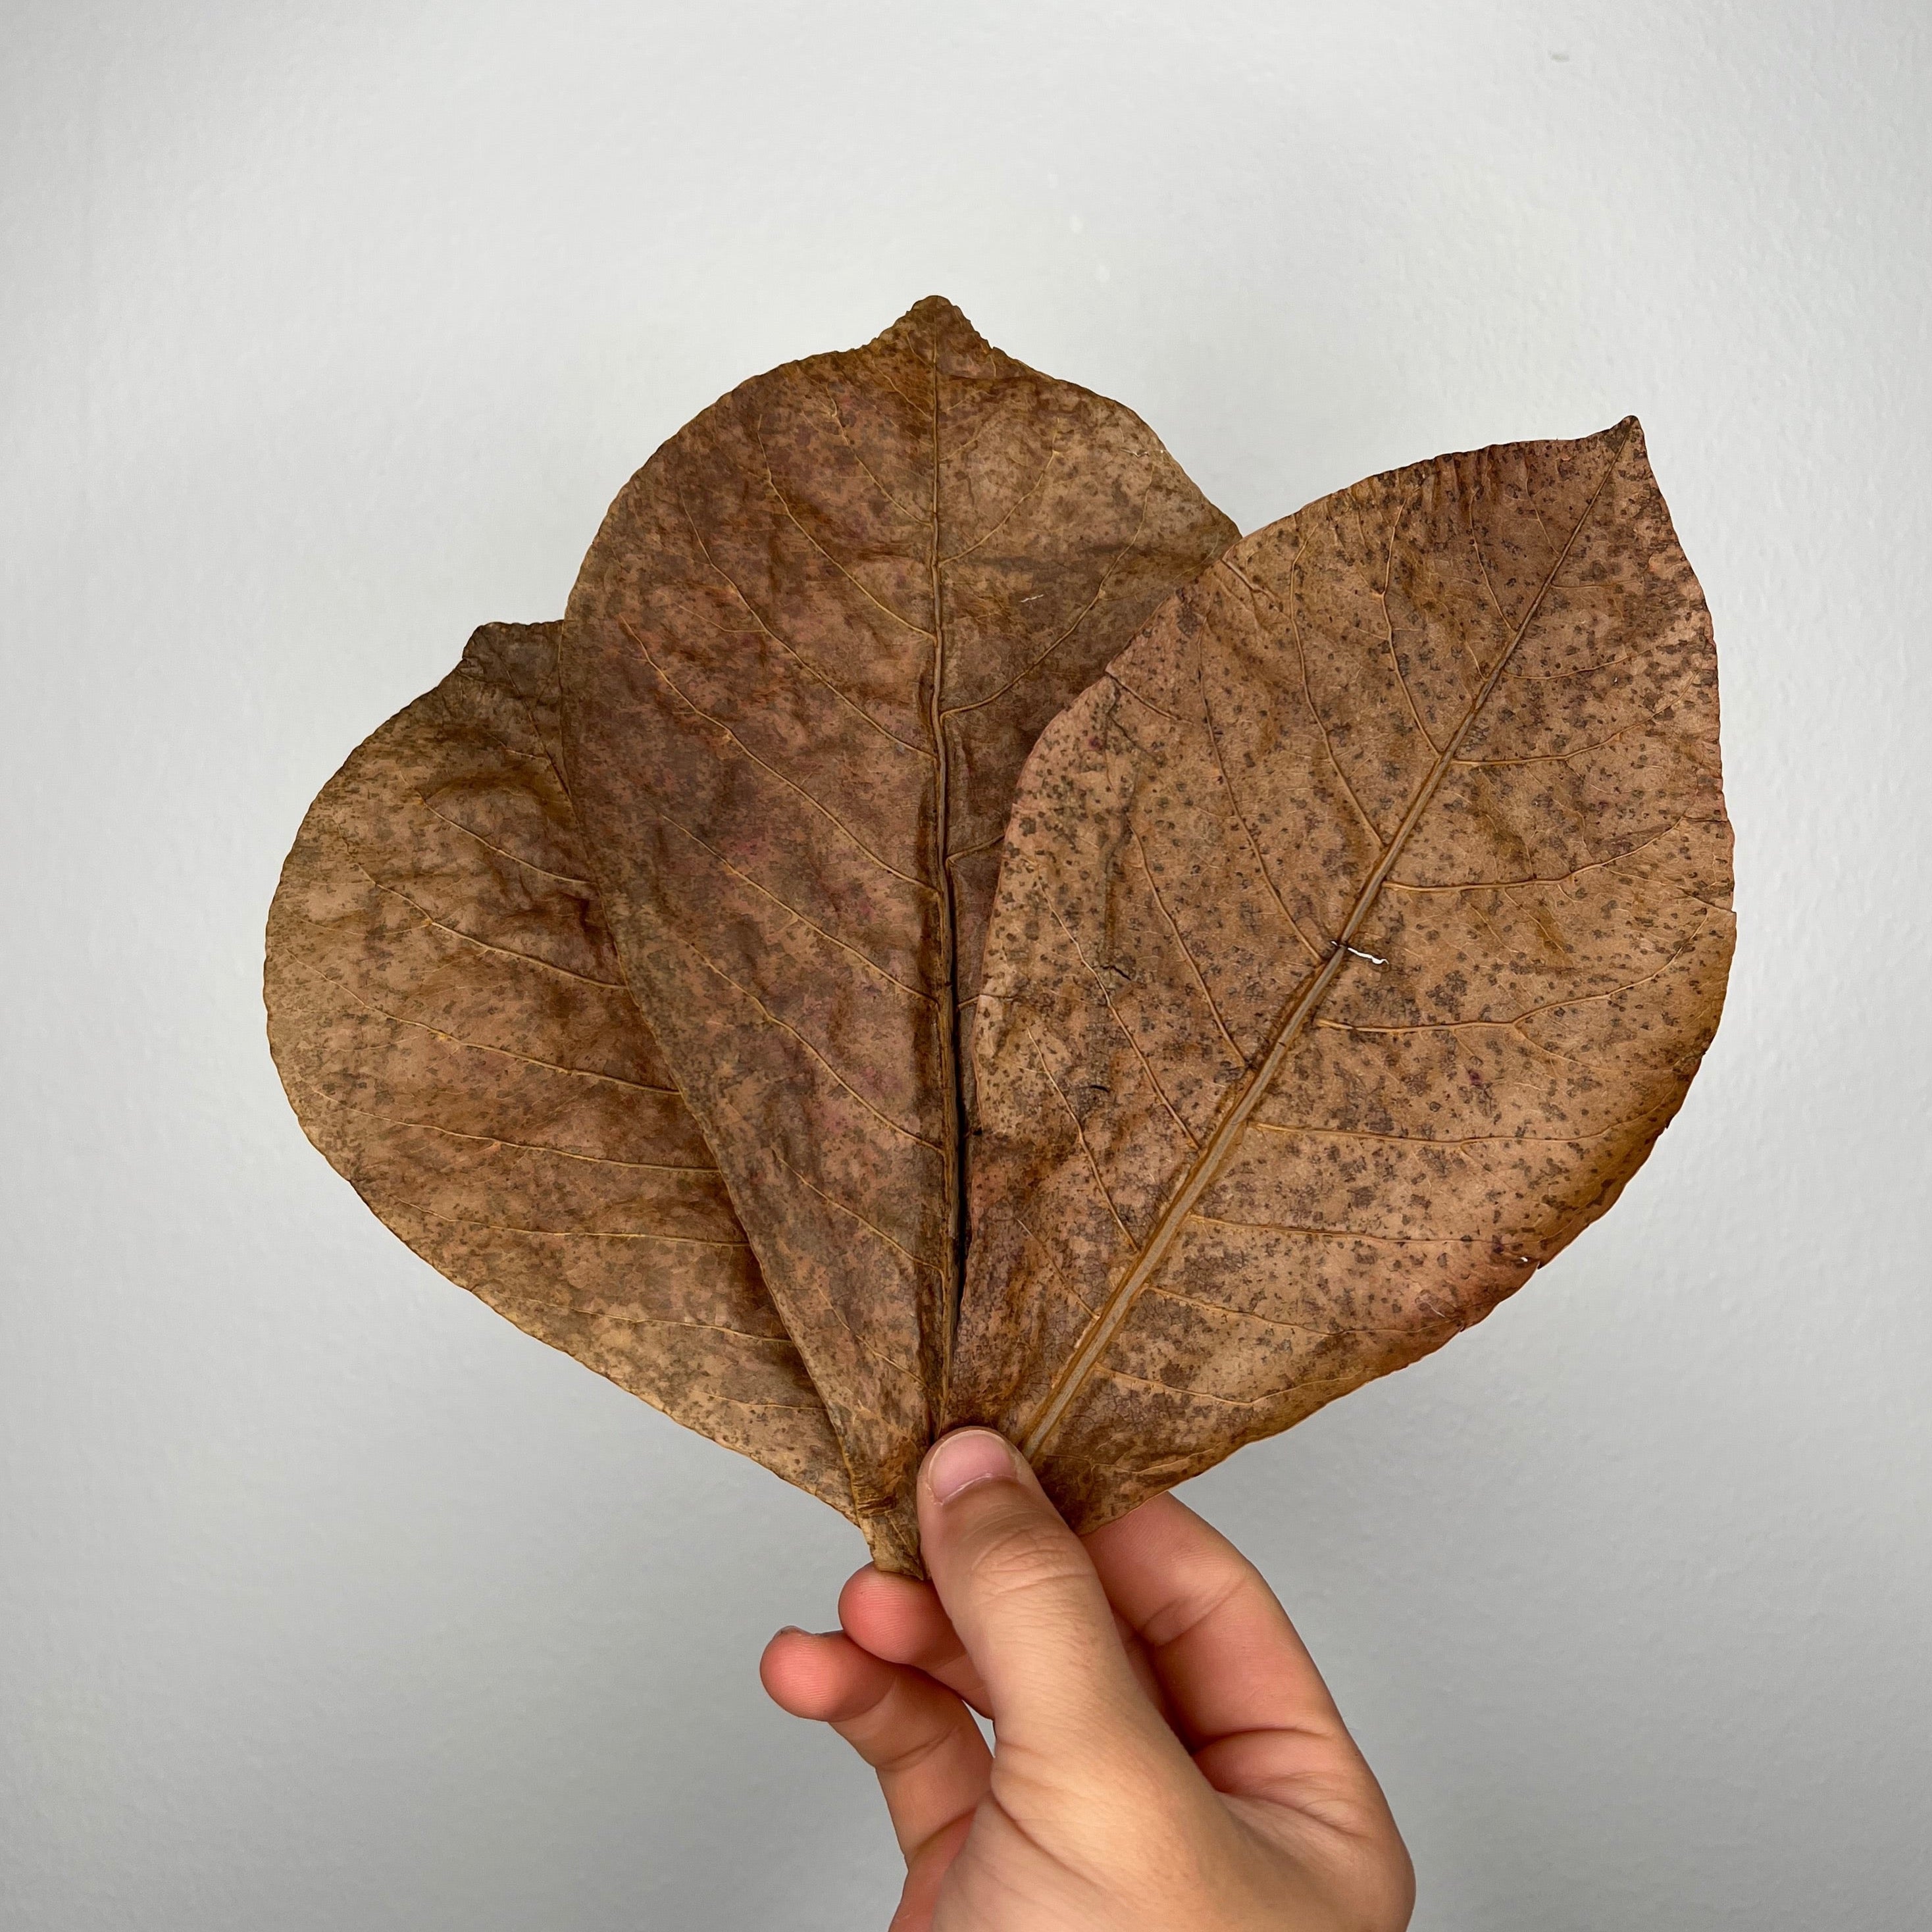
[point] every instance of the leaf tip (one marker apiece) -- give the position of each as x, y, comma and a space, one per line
937, 330
1626, 434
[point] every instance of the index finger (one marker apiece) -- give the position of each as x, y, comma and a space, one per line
1220, 1643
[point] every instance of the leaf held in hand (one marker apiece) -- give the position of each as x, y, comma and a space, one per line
804, 660
1360, 931
1306, 939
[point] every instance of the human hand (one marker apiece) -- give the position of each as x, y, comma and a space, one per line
1167, 1759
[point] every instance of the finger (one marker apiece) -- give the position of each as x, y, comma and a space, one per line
904, 1622
932, 1764
1241, 1689
1217, 1636
1024, 1598
925, 1869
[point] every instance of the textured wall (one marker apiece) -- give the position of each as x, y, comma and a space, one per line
329, 1600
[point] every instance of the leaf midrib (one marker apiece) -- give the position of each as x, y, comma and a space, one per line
952, 1273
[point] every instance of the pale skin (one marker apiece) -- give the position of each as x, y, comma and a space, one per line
1167, 1759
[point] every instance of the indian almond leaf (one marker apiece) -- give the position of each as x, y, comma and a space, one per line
1359, 931
802, 665
449, 1018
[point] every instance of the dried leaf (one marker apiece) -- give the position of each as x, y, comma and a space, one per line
448, 1014
1359, 929
1359, 932
804, 661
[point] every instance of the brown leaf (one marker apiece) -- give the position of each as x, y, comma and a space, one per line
803, 664
1360, 931
447, 1012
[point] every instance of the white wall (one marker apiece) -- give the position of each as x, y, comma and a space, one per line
328, 1600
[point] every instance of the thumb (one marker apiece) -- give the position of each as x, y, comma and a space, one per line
1025, 1600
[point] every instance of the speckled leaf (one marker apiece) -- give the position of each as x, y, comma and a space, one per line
1360, 931
449, 1018
804, 660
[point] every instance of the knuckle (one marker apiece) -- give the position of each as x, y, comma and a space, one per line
1027, 1558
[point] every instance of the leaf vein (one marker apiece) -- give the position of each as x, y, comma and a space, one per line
790, 784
